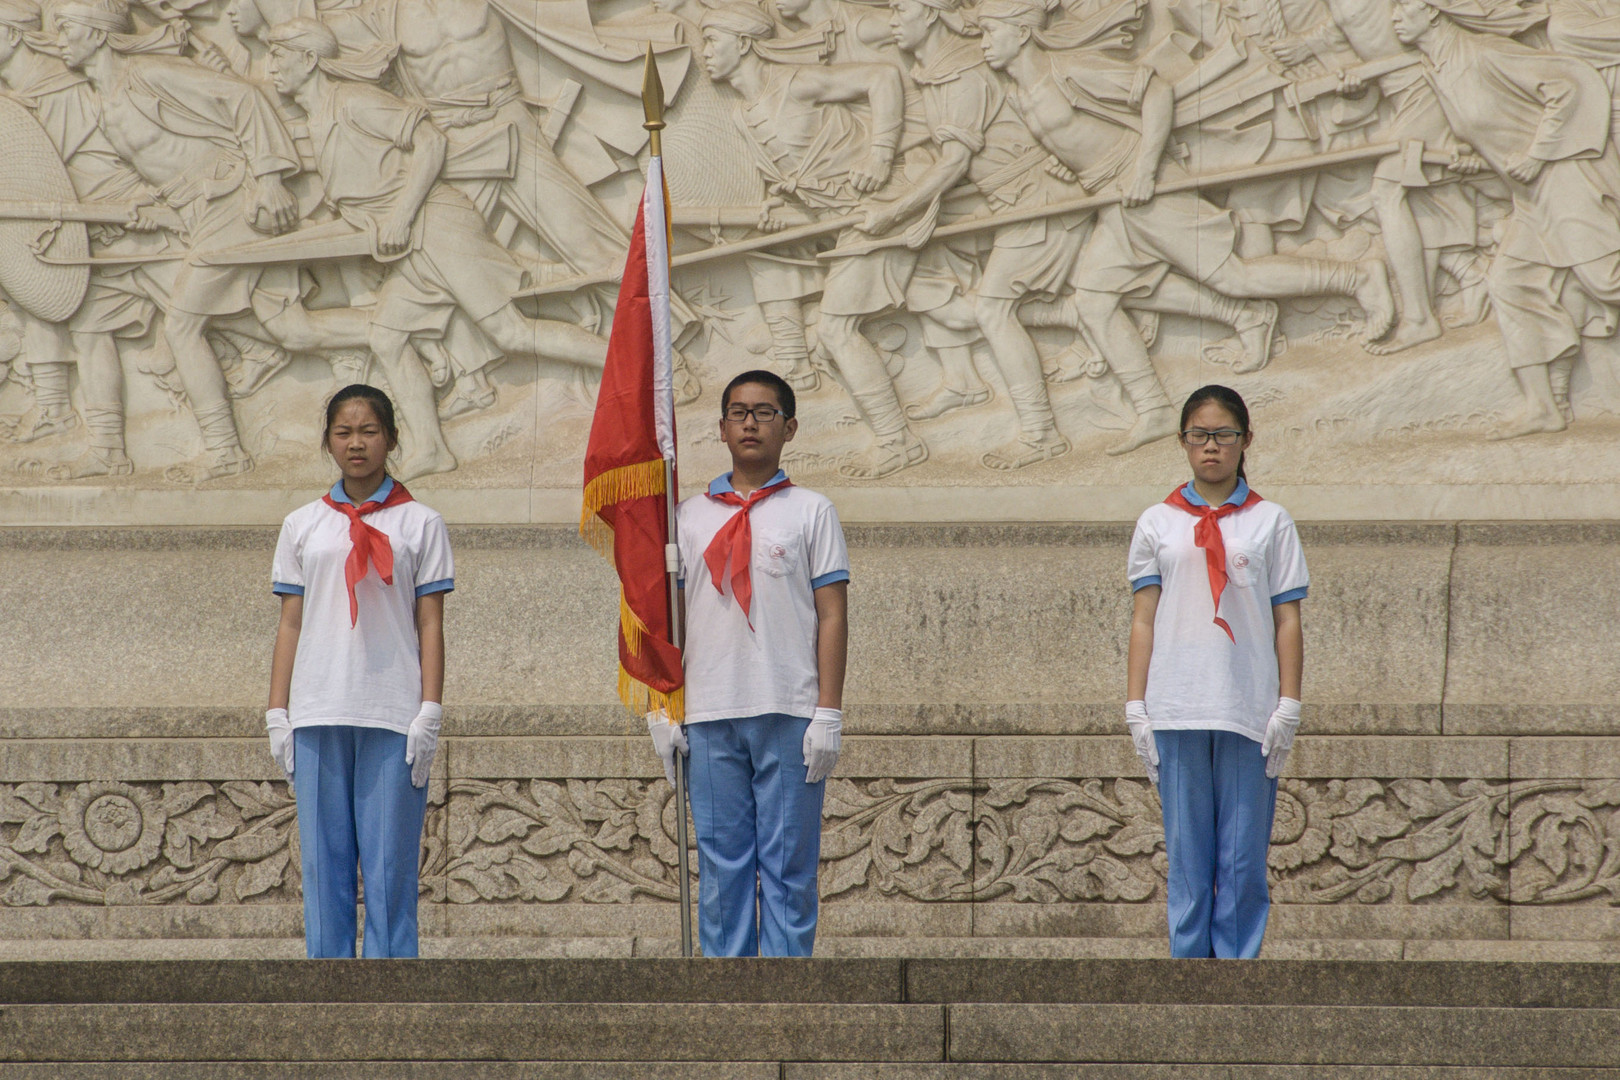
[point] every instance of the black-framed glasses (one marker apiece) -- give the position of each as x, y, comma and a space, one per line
739, 414
1222, 436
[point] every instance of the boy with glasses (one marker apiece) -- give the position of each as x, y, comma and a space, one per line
765, 580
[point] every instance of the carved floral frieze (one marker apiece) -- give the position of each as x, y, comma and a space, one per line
612, 841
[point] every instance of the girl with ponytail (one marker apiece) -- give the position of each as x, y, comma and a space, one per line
356, 681
1214, 669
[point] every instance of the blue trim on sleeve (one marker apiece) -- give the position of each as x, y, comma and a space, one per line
1145, 580
442, 585
680, 583
281, 588
832, 577
1290, 596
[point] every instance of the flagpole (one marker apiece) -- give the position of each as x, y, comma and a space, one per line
652, 104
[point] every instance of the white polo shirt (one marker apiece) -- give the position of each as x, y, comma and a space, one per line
733, 671
1198, 677
368, 675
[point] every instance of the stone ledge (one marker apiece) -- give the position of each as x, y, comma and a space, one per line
1537, 533
1572, 758
1275, 982
820, 981
291, 947
1134, 1071
874, 536
472, 1032
762, 980
408, 1070
1279, 1034
1448, 756
977, 719
610, 1070
1484, 1037
1523, 720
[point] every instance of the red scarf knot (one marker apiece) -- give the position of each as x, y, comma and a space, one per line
733, 545
367, 544
1207, 535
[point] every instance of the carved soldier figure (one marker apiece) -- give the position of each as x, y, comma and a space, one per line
1541, 122
983, 142
44, 347
1109, 121
704, 137
215, 151
1590, 30
1258, 36
814, 149
117, 300
455, 57
841, 31
1428, 227
249, 18
379, 158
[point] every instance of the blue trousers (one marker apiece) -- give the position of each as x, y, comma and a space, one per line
758, 835
1218, 806
357, 809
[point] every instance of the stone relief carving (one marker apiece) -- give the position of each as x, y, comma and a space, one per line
1038, 841
106, 842
977, 237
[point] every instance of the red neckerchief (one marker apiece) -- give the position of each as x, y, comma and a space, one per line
1207, 535
367, 544
733, 545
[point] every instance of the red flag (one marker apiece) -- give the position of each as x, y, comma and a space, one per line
633, 433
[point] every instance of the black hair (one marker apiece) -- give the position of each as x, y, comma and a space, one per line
784, 392
370, 395
1226, 398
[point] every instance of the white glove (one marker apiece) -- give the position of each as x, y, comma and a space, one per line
279, 726
667, 738
1136, 718
422, 741
1279, 740
821, 741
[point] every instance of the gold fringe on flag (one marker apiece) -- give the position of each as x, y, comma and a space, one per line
630, 625
616, 486
642, 699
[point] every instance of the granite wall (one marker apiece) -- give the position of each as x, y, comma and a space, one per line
1455, 790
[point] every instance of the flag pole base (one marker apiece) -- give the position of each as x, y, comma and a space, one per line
680, 845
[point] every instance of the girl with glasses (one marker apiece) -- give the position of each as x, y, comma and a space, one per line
1214, 668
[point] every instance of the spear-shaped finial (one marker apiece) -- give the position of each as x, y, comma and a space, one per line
652, 102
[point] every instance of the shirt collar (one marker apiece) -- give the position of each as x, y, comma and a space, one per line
1239, 494
721, 484
380, 495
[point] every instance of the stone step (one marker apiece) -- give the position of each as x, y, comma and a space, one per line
892, 981
964, 1032
1003, 1019
1088, 948
768, 1070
